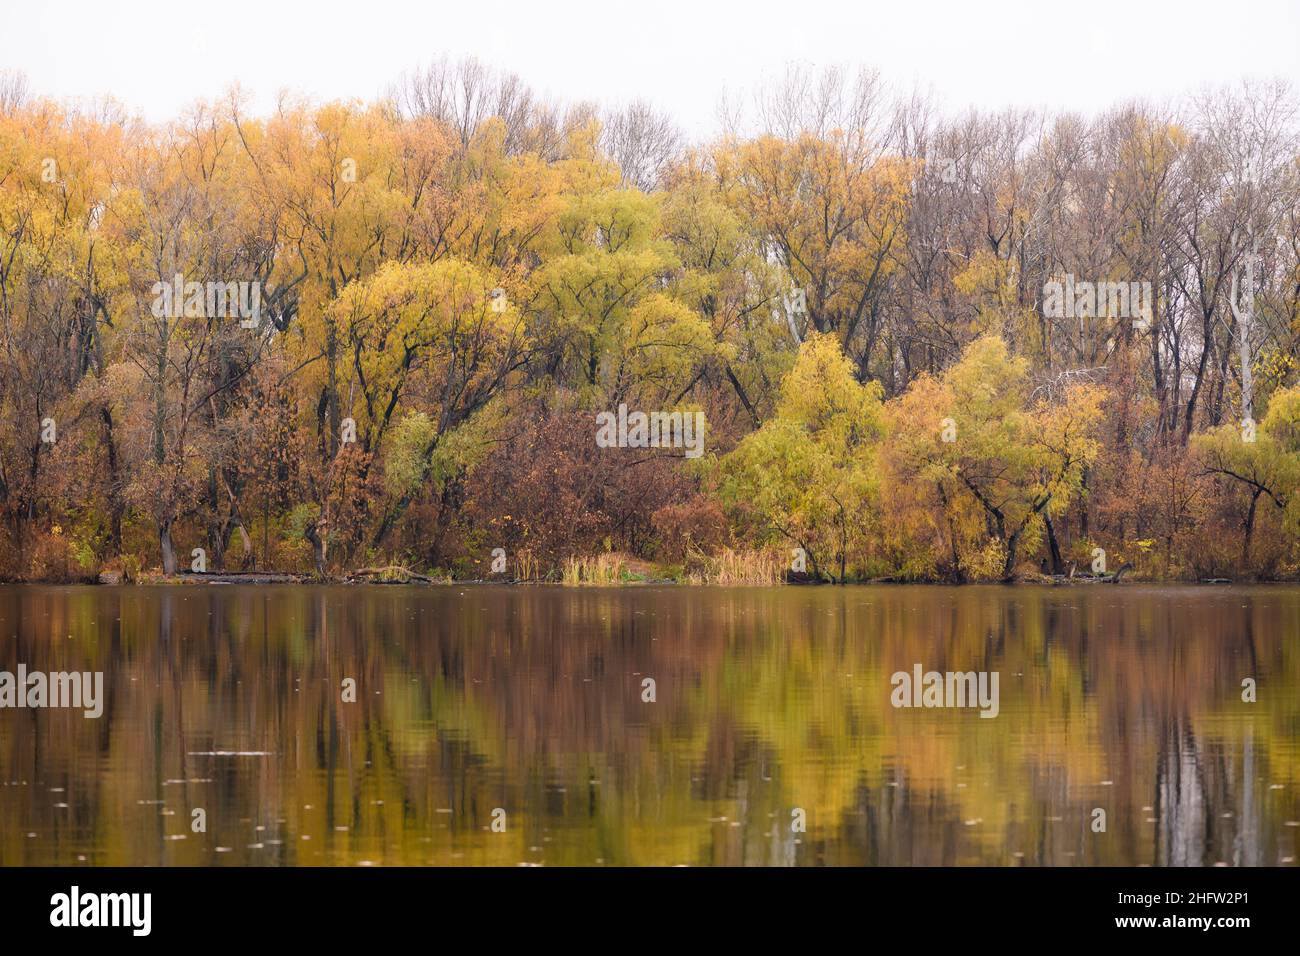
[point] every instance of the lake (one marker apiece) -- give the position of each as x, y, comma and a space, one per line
459, 725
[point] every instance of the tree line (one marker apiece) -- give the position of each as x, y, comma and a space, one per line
904, 330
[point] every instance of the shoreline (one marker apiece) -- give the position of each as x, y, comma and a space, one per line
286, 579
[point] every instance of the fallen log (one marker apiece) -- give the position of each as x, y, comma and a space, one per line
242, 577
390, 574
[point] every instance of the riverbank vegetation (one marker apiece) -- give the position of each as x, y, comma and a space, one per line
452, 282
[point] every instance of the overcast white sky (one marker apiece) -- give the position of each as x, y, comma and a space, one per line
157, 56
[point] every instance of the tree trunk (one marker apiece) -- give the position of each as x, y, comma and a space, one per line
740, 393
168, 550
1250, 529
1058, 566
318, 545
1009, 565
115, 507
957, 573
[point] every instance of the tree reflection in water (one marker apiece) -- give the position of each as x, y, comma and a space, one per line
767, 700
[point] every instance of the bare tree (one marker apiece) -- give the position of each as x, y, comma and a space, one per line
821, 102
466, 94
643, 141
13, 91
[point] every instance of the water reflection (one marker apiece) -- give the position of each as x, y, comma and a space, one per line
768, 701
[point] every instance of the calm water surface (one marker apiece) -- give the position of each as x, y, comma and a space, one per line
474, 698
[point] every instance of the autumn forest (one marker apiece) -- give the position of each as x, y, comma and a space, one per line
924, 346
